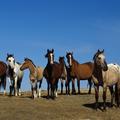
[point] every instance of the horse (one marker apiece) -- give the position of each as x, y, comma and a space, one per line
80, 71
15, 75
106, 76
3, 71
65, 76
35, 76
52, 72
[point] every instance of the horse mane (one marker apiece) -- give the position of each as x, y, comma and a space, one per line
75, 61
18, 63
98, 52
30, 61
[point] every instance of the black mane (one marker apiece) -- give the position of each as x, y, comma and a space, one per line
27, 59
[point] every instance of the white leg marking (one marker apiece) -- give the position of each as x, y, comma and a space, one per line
56, 94
35, 94
19, 92
39, 93
4, 92
15, 86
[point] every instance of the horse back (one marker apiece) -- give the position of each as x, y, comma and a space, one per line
111, 76
85, 70
39, 73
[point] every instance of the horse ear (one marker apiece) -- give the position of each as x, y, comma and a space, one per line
98, 50
52, 50
103, 51
7, 54
47, 50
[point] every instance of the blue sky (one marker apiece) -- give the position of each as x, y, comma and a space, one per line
29, 27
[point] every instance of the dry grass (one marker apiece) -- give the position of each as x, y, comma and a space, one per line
73, 107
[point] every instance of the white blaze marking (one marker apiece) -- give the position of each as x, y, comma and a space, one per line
70, 60
51, 58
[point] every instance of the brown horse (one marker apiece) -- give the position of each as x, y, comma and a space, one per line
52, 72
3, 71
106, 76
80, 71
36, 75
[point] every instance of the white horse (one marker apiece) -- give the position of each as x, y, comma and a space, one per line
15, 75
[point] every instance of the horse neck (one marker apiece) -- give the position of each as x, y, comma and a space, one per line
31, 68
62, 65
74, 63
98, 72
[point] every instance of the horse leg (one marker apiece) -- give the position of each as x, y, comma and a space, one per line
48, 87
15, 86
90, 85
61, 86
34, 89
112, 95
19, 86
73, 87
117, 94
78, 84
104, 97
52, 90
96, 96
4, 84
66, 85
39, 92
56, 87
11, 87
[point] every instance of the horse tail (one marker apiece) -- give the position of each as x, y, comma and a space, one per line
117, 94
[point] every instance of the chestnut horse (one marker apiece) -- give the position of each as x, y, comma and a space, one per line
106, 76
52, 72
36, 76
80, 71
3, 71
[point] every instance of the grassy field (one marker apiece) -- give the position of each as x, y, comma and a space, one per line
73, 107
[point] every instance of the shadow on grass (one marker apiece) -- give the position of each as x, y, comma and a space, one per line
100, 105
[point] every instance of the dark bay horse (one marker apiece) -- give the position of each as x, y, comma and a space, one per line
3, 71
80, 71
65, 76
52, 72
106, 76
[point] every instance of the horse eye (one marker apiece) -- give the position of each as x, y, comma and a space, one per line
9, 60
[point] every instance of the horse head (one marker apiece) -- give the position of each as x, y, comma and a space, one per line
99, 60
10, 60
69, 56
50, 56
61, 60
26, 64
